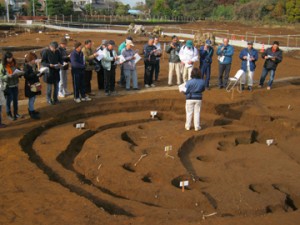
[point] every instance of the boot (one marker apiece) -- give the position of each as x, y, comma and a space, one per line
33, 115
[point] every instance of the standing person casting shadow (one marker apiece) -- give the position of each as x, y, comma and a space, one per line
194, 88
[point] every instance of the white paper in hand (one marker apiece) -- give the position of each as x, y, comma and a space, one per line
182, 88
100, 55
17, 72
137, 58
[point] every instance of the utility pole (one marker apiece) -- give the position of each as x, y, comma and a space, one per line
7, 10
33, 9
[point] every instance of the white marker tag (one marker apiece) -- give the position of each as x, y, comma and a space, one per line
184, 183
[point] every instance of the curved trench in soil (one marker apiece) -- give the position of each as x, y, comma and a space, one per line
113, 202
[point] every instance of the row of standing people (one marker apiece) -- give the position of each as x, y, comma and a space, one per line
183, 58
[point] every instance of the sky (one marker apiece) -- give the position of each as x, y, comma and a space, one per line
131, 2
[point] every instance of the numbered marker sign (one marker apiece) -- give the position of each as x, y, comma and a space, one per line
80, 125
184, 183
168, 148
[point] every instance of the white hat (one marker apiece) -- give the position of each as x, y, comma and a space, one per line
129, 42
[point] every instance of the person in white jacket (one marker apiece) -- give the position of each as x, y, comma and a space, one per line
188, 55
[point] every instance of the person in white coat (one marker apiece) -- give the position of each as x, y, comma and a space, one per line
188, 55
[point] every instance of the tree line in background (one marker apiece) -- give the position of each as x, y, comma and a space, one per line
247, 10
257, 10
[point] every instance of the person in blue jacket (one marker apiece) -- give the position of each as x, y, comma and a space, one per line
225, 53
206, 53
194, 88
248, 56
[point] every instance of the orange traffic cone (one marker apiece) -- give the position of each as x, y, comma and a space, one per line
262, 48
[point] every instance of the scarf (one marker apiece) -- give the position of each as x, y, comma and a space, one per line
9, 68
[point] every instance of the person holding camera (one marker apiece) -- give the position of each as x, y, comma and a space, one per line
206, 53
225, 53
174, 61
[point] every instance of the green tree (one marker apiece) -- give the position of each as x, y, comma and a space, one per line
293, 10
68, 8
122, 9
37, 8
55, 7
2, 10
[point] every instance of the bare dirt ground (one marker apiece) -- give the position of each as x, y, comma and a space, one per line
115, 171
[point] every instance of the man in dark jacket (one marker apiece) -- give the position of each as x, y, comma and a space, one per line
174, 61
149, 61
272, 56
51, 58
78, 66
206, 53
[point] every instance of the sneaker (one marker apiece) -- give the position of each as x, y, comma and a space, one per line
2, 125
127, 89
187, 128
250, 88
260, 86
86, 99
60, 95
107, 93
10, 117
50, 102
198, 128
147, 86
56, 102
77, 100
170, 85
268, 88
17, 116
136, 89
243, 87
152, 85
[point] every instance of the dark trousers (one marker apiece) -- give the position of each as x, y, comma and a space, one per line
78, 84
205, 69
122, 76
109, 79
224, 68
87, 81
100, 79
156, 69
12, 96
149, 70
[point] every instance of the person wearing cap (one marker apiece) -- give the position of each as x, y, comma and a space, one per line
206, 53
188, 55
272, 57
149, 62
158, 55
63, 83
109, 65
174, 61
122, 80
77, 67
31, 75
248, 56
129, 66
89, 56
51, 58
225, 52
98, 66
